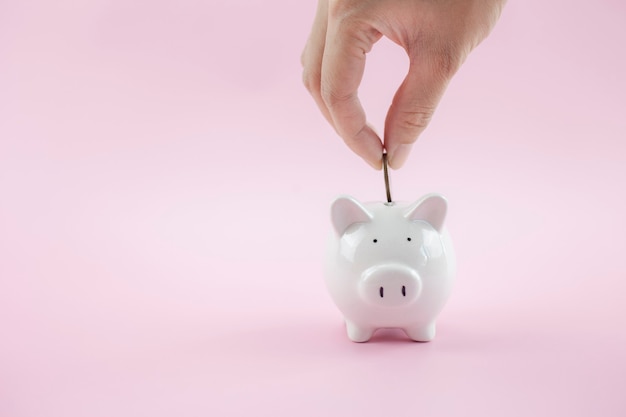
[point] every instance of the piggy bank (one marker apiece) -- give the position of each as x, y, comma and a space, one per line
390, 265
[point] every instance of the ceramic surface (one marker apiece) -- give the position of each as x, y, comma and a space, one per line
390, 265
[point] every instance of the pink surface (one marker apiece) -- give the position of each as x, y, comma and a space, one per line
164, 190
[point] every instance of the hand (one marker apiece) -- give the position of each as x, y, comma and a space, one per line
437, 35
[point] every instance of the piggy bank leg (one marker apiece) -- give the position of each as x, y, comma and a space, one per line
421, 333
358, 333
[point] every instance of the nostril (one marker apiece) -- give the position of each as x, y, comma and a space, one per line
381, 291
403, 291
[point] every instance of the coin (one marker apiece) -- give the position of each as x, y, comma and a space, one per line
386, 174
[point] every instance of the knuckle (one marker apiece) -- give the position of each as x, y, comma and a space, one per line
311, 81
416, 118
303, 57
333, 98
446, 60
338, 9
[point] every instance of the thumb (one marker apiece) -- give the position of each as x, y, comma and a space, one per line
413, 106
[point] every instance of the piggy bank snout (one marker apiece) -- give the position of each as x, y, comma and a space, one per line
390, 285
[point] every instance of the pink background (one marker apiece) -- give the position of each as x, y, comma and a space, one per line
165, 182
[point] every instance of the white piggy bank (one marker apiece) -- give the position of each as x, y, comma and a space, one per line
390, 265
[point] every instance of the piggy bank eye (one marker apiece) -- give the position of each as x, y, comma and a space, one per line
408, 238
375, 240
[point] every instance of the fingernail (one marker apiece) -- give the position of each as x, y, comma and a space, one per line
372, 148
373, 159
377, 164
399, 155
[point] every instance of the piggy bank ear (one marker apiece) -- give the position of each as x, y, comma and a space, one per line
346, 211
431, 208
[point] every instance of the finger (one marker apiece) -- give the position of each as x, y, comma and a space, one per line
343, 65
415, 102
311, 58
